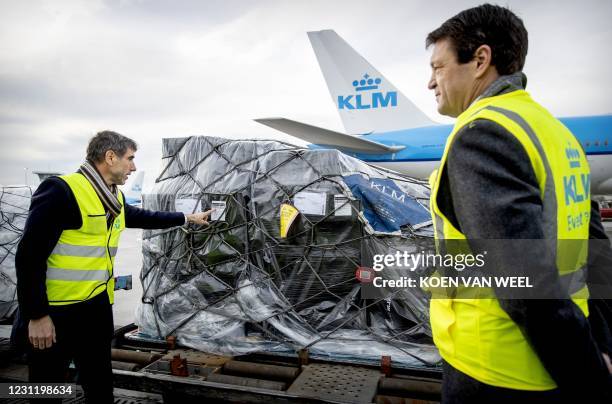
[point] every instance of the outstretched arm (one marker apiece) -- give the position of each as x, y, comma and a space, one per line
149, 219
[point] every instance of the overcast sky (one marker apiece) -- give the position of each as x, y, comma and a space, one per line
154, 69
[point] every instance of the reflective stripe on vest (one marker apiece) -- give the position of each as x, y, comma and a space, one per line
83, 250
81, 264
476, 336
574, 282
64, 274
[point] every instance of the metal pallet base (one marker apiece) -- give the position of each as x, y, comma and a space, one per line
348, 384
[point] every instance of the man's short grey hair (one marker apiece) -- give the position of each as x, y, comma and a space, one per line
105, 141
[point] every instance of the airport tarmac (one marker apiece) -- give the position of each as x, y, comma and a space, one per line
129, 261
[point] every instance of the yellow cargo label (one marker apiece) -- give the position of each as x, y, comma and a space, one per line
287, 216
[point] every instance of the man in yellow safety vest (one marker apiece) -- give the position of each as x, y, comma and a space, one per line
501, 179
65, 263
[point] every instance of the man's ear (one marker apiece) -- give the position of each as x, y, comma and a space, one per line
483, 57
109, 157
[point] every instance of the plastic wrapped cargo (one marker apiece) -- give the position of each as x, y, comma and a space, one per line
252, 281
14, 205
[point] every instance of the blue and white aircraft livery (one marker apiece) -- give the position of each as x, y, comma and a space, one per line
385, 128
133, 191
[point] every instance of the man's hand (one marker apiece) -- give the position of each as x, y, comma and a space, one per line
41, 332
200, 218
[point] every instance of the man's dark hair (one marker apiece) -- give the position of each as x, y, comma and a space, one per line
487, 24
108, 140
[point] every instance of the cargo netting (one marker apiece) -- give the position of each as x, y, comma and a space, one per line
253, 281
14, 206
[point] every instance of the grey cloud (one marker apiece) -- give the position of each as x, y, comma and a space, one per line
151, 69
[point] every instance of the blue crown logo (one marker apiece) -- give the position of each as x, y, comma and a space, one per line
366, 83
573, 155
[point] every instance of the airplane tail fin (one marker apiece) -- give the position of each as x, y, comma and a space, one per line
135, 189
365, 99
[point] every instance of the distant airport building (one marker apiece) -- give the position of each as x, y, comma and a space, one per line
43, 175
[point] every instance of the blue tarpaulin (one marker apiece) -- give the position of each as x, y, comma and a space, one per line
385, 205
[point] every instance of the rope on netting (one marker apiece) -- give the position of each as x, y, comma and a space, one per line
14, 206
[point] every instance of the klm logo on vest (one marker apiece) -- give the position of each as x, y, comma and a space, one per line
368, 98
117, 225
576, 186
573, 156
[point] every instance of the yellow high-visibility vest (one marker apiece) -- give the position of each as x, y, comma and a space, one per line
80, 266
476, 336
